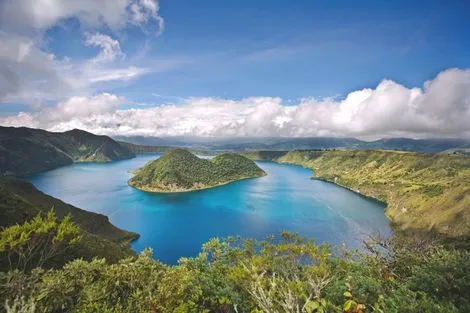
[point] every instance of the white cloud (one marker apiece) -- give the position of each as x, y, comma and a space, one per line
143, 10
75, 108
29, 74
123, 74
26, 71
110, 48
440, 108
27, 15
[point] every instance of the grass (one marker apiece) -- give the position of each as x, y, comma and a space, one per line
423, 191
179, 171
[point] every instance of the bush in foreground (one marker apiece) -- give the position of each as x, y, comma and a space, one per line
290, 274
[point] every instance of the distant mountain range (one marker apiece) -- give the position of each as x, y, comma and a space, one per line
270, 143
25, 151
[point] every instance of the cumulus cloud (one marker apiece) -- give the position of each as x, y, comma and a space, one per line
25, 15
440, 108
65, 112
27, 70
29, 74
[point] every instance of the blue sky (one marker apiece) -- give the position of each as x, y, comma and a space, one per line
235, 50
306, 48
244, 48
309, 48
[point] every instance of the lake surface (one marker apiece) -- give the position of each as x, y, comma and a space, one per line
175, 225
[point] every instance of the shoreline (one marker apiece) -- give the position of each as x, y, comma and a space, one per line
331, 182
355, 191
313, 177
160, 191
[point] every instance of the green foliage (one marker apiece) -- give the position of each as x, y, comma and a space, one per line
20, 305
20, 201
180, 170
36, 242
432, 190
288, 274
443, 275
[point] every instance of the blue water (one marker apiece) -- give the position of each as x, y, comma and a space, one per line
176, 225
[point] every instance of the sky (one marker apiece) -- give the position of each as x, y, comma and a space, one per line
364, 69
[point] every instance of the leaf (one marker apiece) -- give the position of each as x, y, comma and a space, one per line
347, 294
347, 305
312, 306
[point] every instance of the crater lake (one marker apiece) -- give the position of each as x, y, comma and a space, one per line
176, 225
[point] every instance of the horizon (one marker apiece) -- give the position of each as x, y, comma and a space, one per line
242, 70
224, 138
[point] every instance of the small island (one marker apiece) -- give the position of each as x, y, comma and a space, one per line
180, 171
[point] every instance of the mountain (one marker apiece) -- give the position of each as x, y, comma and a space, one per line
20, 201
25, 151
419, 145
141, 149
242, 143
179, 170
423, 191
280, 143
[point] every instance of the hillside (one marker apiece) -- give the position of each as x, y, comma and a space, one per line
179, 170
25, 151
20, 201
142, 149
423, 191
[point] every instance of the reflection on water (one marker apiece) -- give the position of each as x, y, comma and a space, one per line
176, 225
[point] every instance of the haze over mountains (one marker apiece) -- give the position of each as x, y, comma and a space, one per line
284, 143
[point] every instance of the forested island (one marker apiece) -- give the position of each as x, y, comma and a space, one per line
179, 171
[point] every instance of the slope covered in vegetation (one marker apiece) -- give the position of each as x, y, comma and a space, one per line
25, 151
179, 170
428, 192
20, 201
232, 276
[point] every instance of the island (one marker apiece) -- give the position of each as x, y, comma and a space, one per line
179, 170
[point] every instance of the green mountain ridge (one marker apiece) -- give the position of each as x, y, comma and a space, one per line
425, 192
179, 170
25, 151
